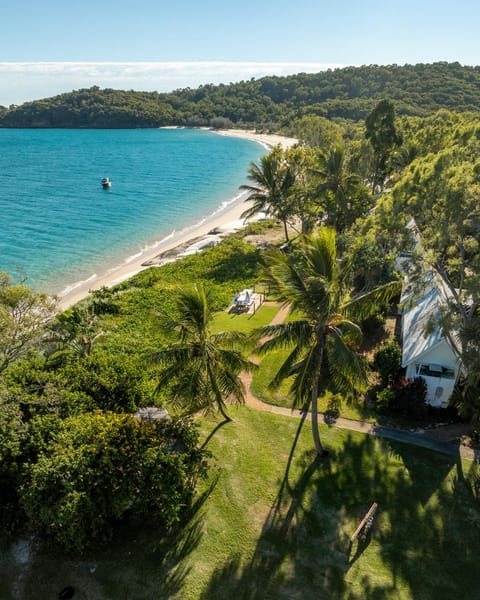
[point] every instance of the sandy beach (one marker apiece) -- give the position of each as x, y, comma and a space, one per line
189, 240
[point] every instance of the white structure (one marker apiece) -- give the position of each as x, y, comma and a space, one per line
426, 351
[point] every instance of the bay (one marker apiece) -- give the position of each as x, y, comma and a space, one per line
58, 226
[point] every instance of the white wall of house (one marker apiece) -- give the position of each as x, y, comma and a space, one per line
439, 368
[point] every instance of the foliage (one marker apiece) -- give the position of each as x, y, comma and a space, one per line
266, 103
405, 399
315, 131
387, 361
12, 438
272, 180
323, 336
73, 334
381, 131
103, 301
440, 190
370, 265
200, 369
384, 400
341, 193
23, 314
102, 467
114, 382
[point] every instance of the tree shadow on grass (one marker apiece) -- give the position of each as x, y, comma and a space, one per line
213, 432
423, 542
141, 562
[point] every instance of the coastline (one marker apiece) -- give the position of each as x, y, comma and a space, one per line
227, 218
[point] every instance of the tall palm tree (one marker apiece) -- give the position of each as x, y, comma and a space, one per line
272, 181
201, 369
337, 188
324, 337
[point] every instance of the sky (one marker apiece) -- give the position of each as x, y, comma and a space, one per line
53, 46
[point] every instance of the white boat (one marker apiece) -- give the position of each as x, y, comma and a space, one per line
106, 183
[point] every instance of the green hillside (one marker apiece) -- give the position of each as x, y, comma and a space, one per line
270, 102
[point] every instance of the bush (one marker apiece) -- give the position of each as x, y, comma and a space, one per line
387, 361
406, 399
114, 381
384, 400
410, 397
101, 467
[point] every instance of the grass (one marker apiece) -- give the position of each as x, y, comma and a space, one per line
275, 525
243, 322
268, 367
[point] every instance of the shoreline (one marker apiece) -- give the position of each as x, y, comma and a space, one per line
225, 219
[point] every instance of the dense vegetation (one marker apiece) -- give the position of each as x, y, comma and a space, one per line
74, 462
269, 102
68, 391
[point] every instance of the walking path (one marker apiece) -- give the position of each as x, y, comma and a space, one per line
423, 438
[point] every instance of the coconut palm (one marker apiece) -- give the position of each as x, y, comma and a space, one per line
272, 181
72, 335
338, 189
201, 369
323, 339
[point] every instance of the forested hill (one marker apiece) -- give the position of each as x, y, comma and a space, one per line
270, 102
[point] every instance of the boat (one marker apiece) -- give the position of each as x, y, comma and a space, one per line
106, 183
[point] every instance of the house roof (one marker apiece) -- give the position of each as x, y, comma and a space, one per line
423, 299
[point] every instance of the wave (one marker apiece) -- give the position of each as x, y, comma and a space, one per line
70, 288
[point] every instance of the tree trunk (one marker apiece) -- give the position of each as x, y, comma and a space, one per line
286, 230
222, 410
316, 435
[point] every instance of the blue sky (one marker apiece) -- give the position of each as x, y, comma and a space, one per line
51, 46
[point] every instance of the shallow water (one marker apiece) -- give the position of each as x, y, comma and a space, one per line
58, 226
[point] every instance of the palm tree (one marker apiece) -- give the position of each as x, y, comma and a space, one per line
201, 369
323, 339
272, 181
337, 187
72, 335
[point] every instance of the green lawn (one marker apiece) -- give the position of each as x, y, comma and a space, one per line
243, 322
277, 526
268, 367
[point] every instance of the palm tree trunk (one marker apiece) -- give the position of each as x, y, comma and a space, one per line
321, 452
316, 435
222, 410
286, 230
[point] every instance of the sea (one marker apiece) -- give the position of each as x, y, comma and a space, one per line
59, 228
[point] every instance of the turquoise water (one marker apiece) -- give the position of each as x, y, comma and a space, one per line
59, 227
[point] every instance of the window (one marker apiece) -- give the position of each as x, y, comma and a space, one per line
435, 371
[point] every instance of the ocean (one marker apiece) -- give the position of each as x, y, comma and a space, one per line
59, 227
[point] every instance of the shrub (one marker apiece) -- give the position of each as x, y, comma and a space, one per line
410, 395
387, 362
100, 467
114, 381
384, 400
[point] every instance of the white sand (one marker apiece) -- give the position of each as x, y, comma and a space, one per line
226, 218
267, 140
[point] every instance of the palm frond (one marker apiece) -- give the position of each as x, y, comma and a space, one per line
364, 305
347, 368
283, 335
306, 375
287, 368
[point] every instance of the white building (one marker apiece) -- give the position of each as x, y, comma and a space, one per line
426, 352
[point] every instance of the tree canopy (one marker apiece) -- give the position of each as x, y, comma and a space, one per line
270, 102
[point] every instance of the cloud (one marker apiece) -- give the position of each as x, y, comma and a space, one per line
23, 81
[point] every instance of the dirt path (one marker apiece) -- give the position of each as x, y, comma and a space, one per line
434, 439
